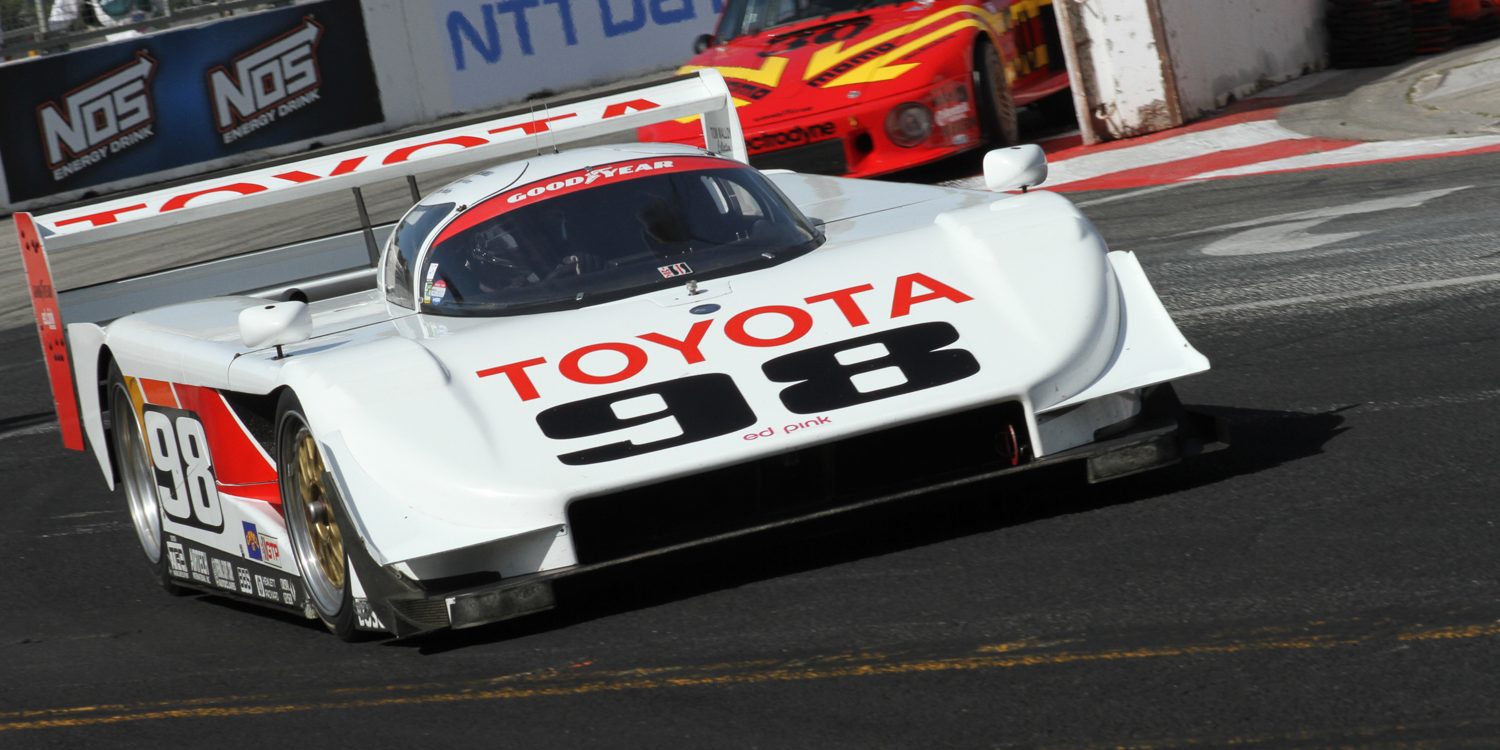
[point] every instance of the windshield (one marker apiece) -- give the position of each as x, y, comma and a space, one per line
743, 17
608, 232
401, 252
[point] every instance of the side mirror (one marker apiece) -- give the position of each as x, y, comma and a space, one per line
275, 325
703, 42
1017, 167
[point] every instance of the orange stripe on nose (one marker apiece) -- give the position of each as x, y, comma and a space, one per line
158, 392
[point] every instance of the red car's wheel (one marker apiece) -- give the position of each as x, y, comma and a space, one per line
997, 109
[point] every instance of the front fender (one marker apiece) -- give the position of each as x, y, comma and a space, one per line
386, 412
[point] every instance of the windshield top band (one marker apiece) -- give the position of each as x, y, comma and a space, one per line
569, 182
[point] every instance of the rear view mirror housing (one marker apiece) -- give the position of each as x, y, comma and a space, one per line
275, 325
1015, 168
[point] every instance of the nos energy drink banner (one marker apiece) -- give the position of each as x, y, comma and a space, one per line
177, 98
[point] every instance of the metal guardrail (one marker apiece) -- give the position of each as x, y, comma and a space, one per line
29, 28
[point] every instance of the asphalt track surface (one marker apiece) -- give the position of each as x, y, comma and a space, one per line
1330, 580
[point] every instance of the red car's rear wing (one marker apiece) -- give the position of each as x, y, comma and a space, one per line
507, 135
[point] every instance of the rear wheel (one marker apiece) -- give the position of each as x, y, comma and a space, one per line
313, 508
138, 477
997, 109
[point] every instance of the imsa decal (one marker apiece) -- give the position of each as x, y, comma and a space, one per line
101, 118
270, 81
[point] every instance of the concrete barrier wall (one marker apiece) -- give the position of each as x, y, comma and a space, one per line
446, 57
1233, 48
1138, 65
144, 109
1120, 76
430, 60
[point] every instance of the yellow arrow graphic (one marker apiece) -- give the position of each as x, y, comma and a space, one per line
768, 74
827, 57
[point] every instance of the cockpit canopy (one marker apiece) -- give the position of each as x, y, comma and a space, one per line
593, 235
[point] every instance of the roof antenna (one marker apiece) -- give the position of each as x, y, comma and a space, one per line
536, 137
546, 123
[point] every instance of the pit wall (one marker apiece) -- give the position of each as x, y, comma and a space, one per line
1119, 71
1137, 66
359, 68
444, 57
1140, 66
1223, 50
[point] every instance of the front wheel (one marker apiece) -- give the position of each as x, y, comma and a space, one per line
997, 109
138, 477
312, 506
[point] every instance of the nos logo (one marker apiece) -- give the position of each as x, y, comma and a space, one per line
258, 80
111, 106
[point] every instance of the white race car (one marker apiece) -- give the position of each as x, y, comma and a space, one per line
575, 358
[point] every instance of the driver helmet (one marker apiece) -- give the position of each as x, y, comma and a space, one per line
495, 260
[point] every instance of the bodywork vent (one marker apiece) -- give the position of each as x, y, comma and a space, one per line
791, 485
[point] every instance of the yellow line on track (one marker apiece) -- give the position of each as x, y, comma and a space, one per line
567, 683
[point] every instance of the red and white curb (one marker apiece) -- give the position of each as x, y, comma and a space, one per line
1235, 145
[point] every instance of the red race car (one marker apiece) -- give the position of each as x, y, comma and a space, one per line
864, 87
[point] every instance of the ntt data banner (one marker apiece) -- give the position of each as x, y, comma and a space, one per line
497, 52
179, 98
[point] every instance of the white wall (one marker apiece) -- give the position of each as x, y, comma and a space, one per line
446, 57
1121, 83
1224, 48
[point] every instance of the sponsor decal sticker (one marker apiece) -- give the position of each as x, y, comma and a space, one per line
674, 270
223, 574
265, 588
288, 593
565, 184
270, 549
951, 114
267, 83
436, 292
855, 61
243, 574
99, 119
199, 561
747, 328
795, 137
349, 162
746, 89
365, 615
568, 182
176, 560
890, 362
252, 541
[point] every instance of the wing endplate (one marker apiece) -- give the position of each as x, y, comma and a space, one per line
49, 328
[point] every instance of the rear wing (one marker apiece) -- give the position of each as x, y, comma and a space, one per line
507, 135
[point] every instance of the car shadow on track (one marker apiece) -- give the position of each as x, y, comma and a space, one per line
1262, 440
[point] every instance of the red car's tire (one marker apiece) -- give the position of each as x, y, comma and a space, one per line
998, 121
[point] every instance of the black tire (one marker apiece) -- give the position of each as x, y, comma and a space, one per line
314, 510
138, 479
998, 120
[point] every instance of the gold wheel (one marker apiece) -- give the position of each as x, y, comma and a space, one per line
312, 506
318, 513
